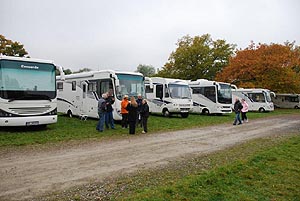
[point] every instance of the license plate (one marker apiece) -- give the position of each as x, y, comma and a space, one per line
32, 123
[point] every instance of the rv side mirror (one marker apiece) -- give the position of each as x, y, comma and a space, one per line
118, 89
61, 72
117, 82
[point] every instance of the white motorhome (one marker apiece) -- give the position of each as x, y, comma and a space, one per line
211, 97
257, 99
27, 91
286, 101
79, 93
168, 96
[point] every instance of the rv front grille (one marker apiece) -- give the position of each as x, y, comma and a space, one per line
30, 110
184, 105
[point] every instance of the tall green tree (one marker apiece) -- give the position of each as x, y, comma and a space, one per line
83, 70
197, 57
10, 48
146, 70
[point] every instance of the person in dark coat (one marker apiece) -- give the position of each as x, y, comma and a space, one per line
139, 101
109, 119
237, 109
145, 115
101, 112
132, 114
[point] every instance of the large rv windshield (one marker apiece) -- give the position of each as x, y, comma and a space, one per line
130, 85
180, 91
21, 80
224, 94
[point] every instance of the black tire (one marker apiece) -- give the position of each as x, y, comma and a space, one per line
166, 113
296, 107
69, 113
261, 109
205, 111
184, 115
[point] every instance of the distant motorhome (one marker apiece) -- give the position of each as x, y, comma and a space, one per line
79, 93
211, 97
168, 96
257, 99
27, 91
286, 101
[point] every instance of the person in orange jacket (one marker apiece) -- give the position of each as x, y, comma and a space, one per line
124, 112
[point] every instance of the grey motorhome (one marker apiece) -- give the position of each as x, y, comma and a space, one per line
168, 96
286, 101
79, 93
27, 91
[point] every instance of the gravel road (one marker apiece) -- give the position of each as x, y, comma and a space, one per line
27, 172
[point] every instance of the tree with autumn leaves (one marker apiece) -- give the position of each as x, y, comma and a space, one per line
275, 67
10, 48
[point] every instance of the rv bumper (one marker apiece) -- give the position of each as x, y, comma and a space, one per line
28, 121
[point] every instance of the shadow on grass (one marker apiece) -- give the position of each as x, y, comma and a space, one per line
17, 129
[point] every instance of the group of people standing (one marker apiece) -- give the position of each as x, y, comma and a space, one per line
105, 111
134, 112
240, 107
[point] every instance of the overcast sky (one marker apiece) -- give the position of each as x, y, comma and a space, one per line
120, 34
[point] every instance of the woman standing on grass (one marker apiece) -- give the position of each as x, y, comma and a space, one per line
132, 114
244, 110
144, 115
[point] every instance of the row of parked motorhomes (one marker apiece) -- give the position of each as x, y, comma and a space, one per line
31, 94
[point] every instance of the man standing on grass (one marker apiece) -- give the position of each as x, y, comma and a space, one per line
237, 109
101, 112
109, 119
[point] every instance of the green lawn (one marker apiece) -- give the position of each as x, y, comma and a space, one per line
74, 129
273, 173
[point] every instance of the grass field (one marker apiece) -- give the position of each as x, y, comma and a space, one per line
74, 129
262, 173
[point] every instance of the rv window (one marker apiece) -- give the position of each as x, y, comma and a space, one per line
148, 89
105, 86
60, 85
167, 95
74, 86
92, 87
257, 97
159, 91
292, 99
196, 90
209, 92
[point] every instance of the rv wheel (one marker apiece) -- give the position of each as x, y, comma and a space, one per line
205, 111
261, 109
166, 113
69, 113
296, 107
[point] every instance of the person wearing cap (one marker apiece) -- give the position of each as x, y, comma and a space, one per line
101, 112
139, 101
124, 112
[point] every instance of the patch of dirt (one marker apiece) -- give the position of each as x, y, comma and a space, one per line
29, 172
